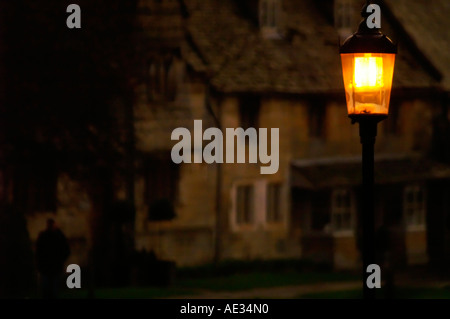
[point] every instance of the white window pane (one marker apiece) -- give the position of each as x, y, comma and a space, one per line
414, 205
342, 209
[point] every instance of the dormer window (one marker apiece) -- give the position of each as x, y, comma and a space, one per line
343, 18
157, 79
269, 17
164, 78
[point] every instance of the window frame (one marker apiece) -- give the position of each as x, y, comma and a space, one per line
249, 111
277, 217
317, 115
247, 217
269, 17
164, 77
259, 206
157, 168
234, 219
343, 13
338, 210
419, 209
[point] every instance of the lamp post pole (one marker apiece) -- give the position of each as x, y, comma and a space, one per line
368, 64
368, 133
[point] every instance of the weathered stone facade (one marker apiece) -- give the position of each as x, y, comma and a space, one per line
205, 60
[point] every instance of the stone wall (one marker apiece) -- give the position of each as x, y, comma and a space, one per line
72, 216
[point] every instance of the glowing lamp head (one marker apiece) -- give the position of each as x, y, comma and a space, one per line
368, 82
368, 59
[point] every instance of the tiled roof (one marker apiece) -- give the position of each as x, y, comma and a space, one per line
327, 174
426, 22
308, 63
160, 23
217, 31
240, 60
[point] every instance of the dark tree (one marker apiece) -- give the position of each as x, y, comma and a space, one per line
67, 97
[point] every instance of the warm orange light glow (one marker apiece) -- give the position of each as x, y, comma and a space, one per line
368, 81
368, 72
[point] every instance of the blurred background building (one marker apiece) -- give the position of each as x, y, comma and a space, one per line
89, 113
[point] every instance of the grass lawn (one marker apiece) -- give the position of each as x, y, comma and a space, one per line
127, 293
401, 293
262, 279
232, 282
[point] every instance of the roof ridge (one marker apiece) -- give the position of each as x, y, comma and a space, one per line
409, 40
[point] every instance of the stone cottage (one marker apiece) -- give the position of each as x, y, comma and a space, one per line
275, 64
267, 64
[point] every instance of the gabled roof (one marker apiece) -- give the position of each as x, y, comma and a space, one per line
426, 22
309, 63
230, 48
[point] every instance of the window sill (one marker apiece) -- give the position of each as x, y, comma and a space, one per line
274, 226
270, 33
239, 228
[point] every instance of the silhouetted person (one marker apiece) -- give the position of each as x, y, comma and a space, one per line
52, 250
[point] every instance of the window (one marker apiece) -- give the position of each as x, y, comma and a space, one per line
257, 204
161, 187
343, 17
414, 205
273, 203
342, 210
245, 204
163, 78
171, 83
316, 119
156, 80
249, 111
269, 16
320, 211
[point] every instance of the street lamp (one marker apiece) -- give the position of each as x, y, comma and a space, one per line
367, 58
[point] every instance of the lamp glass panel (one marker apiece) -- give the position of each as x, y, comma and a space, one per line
368, 82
